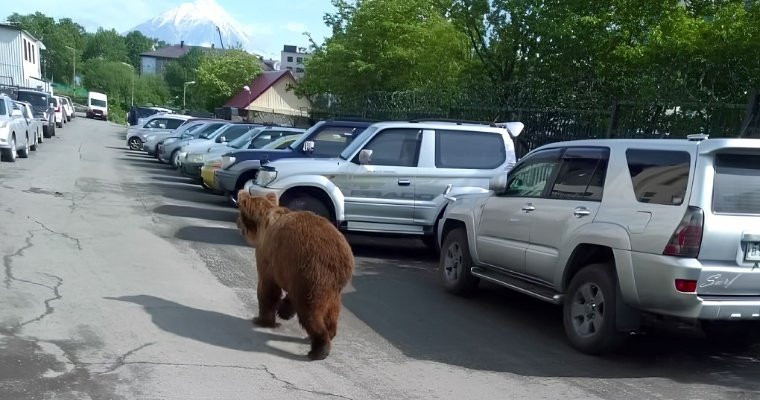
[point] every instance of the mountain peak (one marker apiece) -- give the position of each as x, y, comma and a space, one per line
196, 24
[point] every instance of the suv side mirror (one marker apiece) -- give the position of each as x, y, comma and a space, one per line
365, 156
498, 183
52, 105
308, 146
16, 113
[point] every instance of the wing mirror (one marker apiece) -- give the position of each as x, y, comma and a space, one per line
16, 113
308, 146
365, 156
221, 139
498, 183
52, 105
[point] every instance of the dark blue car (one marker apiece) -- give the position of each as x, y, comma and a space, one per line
330, 138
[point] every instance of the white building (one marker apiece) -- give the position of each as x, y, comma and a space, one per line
292, 58
20, 63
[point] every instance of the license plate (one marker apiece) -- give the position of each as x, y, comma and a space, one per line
753, 251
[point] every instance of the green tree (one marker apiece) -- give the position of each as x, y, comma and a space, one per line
106, 45
388, 45
185, 70
137, 43
221, 75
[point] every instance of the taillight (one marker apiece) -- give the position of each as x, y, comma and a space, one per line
686, 285
686, 241
58, 109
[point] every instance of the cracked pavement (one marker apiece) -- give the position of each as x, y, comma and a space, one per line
124, 281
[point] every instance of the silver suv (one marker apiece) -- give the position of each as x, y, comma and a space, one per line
619, 229
392, 177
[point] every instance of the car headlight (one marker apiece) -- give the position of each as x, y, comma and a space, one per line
170, 141
227, 161
214, 161
195, 158
265, 177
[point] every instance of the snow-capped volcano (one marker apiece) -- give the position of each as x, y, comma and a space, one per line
196, 24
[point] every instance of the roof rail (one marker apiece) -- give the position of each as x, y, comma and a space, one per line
697, 137
351, 119
456, 121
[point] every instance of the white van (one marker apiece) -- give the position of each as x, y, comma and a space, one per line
97, 105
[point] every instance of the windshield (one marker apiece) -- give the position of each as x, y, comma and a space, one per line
244, 140
356, 142
3, 111
35, 99
97, 103
236, 131
211, 129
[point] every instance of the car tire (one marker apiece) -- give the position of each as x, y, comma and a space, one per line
305, 202
134, 143
589, 311
174, 159
455, 264
10, 155
34, 146
24, 153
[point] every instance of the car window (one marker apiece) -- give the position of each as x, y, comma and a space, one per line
173, 123
3, 110
736, 189
395, 147
331, 141
97, 103
267, 137
36, 99
530, 177
159, 123
55, 102
581, 175
206, 132
236, 131
455, 149
659, 176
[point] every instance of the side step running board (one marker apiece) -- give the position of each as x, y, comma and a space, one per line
531, 289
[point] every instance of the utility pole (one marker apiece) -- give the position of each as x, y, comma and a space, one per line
74, 59
184, 91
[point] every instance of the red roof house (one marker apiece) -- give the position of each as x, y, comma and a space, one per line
270, 93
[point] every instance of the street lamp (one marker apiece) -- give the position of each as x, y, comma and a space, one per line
247, 111
74, 59
133, 80
184, 91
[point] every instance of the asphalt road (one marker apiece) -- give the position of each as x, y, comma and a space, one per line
123, 281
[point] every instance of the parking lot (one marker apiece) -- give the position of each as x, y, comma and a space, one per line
123, 280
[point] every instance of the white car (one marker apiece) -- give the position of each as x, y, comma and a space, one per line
68, 108
14, 139
33, 125
59, 113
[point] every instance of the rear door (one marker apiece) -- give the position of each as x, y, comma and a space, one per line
730, 251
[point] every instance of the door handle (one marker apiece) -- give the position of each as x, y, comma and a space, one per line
528, 208
581, 212
404, 182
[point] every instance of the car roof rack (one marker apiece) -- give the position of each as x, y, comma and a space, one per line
697, 137
351, 119
450, 120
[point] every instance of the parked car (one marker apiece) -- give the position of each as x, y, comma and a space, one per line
73, 107
68, 108
213, 160
169, 151
613, 230
97, 105
14, 140
156, 124
330, 137
232, 138
42, 107
153, 140
138, 114
391, 179
33, 125
58, 110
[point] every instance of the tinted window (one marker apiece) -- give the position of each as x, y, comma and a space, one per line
462, 149
397, 147
331, 141
206, 132
97, 103
3, 110
530, 177
35, 99
581, 175
158, 123
54, 100
174, 123
265, 138
659, 176
236, 131
736, 188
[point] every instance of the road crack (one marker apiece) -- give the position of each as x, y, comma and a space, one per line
65, 235
8, 259
292, 386
122, 359
49, 309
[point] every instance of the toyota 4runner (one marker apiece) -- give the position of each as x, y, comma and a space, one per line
614, 230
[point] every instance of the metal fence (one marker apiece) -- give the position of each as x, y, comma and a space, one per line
624, 119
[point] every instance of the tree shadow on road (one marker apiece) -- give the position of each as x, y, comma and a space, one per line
173, 210
503, 331
211, 327
211, 235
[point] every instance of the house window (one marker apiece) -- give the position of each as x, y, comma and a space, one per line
34, 59
299, 60
290, 68
290, 58
299, 70
26, 51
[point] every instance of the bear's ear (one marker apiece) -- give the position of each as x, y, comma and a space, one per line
272, 198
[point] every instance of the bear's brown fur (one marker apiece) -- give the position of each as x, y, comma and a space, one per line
303, 254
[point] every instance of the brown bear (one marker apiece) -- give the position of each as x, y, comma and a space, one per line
303, 254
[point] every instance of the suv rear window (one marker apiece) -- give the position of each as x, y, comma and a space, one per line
471, 150
659, 176
736, 189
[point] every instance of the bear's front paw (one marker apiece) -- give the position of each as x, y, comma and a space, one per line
265, 322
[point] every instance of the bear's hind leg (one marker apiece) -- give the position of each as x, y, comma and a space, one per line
268, 294
312, 319
286, 310
331, 317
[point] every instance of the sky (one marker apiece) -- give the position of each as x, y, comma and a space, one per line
271, 24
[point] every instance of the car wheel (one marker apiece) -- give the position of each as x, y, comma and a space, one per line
24, 153
41, 138
175, 159
33, 147
589, 311
10, 154
455, 264
134, 143
307, 203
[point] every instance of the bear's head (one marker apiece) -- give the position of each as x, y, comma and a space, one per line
255, 215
